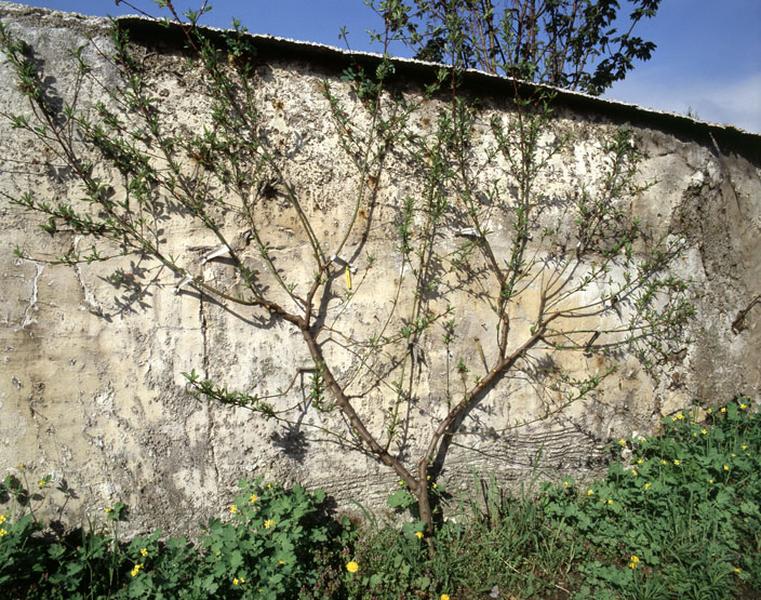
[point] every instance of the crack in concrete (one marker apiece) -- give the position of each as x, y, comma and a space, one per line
28, 318
210, 423
88, 297
204, 350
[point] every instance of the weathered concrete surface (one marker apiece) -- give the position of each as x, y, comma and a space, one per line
91, 385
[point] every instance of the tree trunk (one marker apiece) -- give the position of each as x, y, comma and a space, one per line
423, 495
424, 508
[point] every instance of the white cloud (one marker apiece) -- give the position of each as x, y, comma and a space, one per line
736, 102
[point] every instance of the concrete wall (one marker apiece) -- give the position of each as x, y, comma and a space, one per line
90, 378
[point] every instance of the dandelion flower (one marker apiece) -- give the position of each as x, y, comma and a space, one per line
136, 570
269, 523
352, 566
633, 561
444, 597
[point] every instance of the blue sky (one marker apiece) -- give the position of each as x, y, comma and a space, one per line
708, 57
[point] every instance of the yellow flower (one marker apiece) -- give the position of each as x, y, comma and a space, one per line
611, 501
704, 431
640, 461
401, 483
742, 447
435, 486
352, 566
419, 535
281, 562
710, 481
21, 467
3, 532
444, 597
677, 462
678, 417
143, 552
737, 570
108, 510
238, 581
42, 483
3, 519
136, 570
664, 462
590, 492
566, 484
648, 485
634, 472
253, 498
233, 509
622, 442
269, 523
726, 467
723, 409
633, 561
743, 406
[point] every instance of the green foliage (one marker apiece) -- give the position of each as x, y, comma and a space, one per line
275, 543
687, 507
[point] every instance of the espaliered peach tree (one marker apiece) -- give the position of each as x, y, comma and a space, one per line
558, 274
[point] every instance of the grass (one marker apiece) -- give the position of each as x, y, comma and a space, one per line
680, 518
